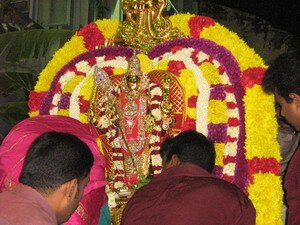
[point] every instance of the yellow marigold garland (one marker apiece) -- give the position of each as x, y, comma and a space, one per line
180, 21
70, 86
245, 56
63, 112
211, 73
146, 63
266, 197
217, 112
260, 139
70, 50
108, 27
186, 80
87, 88
220, 148
261, 142
119, 71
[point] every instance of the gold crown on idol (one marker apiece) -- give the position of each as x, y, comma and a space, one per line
134, 75
134, 68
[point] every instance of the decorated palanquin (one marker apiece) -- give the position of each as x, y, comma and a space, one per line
149, 77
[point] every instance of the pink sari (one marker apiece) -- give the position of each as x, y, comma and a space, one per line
17, 142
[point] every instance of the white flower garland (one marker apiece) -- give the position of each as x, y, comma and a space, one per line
83, 66
55, 101
184, 55
74, 103
118, 62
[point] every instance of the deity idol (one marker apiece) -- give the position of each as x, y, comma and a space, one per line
133, 118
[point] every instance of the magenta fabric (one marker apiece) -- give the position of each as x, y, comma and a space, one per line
188, 195
17, 142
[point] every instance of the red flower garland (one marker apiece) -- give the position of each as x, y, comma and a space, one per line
197, 23
84, 105
263, 165
189, 124
35, 100
192, 101
176, 48
252, 76
175, 67
92, 36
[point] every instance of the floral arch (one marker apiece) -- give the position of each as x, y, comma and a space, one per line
221, 78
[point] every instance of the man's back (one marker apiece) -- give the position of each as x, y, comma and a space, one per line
188, 195
25, 206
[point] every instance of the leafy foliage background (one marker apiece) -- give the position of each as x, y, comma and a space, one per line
23, 55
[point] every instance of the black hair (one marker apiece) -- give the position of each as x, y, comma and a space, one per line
190, 147
55, 158
283, 76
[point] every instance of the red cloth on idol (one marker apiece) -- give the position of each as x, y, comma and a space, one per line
292, 187
188, 195
24, 205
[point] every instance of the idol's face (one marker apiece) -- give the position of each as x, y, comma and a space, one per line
133, 82
290, 110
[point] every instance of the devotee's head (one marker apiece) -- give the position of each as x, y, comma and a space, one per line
58, 165
283, 79
188, 147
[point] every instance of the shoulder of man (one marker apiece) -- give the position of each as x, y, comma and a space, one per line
4, 222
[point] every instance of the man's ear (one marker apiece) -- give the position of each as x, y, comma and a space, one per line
175, 161
70, 189
296, 99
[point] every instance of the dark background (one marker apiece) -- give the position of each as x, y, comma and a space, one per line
282, 14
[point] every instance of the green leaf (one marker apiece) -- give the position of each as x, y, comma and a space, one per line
23, 55
14, 111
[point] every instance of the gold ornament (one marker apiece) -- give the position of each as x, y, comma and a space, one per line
144, 26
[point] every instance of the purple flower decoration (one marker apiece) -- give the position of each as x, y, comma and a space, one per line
217, 171
217, 132
217, 92
64, 102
